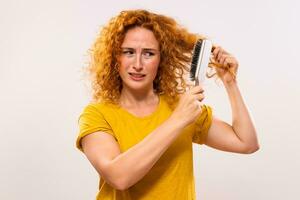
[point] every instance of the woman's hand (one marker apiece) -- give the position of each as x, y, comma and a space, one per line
228, 65
189, 106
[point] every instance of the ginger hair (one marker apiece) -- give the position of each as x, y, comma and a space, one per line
176, 47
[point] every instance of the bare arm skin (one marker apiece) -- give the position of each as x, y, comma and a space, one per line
240, 137
122, 170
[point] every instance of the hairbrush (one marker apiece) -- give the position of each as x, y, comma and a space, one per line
200, 60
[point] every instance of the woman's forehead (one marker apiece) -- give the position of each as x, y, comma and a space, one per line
139, 37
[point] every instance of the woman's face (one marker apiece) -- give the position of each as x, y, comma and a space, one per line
139, 59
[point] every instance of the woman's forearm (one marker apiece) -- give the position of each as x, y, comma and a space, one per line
241, 120
132, 165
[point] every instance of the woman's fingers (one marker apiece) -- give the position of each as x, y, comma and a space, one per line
199, 97
226, 60
220, 54
196, 89
197, 93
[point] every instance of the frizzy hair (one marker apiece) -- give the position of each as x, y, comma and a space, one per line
176, 46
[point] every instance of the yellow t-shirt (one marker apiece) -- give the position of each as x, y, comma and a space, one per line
172, 175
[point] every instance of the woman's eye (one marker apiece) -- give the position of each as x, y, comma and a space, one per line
148, 54
128, 52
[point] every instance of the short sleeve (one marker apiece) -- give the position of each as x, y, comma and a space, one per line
203, 124
90, 121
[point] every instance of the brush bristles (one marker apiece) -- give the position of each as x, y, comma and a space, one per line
195, 59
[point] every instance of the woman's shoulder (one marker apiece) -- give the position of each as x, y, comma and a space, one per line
100, 107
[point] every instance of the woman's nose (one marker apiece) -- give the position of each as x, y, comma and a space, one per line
138, 65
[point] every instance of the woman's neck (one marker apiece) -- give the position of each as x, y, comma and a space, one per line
129, 99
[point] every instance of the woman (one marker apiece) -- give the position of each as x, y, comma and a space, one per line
138, 133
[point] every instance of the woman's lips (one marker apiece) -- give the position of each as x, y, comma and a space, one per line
137, 76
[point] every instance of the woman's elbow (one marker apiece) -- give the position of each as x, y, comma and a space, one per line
251, 149
115, 178
120, 185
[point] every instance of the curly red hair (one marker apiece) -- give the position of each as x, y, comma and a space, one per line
176, 46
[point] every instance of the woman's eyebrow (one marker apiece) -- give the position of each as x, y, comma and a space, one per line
150, 49
144, 49
127, 48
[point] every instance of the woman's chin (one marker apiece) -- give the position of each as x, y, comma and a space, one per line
138, 87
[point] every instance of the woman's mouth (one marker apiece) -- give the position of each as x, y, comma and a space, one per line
137, 76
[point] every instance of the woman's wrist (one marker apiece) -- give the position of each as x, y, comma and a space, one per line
176, 121
229, 84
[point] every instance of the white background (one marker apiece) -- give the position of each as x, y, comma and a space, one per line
43, 49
